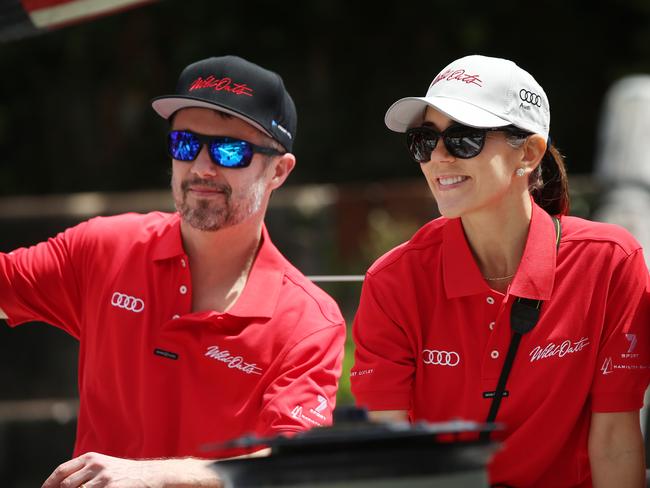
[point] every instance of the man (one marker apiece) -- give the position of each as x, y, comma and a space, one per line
193, 329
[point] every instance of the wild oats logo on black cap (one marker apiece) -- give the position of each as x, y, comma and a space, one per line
233, 85
218, 84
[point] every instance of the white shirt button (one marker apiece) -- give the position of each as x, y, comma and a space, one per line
491, 326
176, 316
494, 354
183, 263
183, 289
490, 300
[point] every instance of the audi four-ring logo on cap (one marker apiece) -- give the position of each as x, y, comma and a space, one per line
440, 358
132, 304
530, 97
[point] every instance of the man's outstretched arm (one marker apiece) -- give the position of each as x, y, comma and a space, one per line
93, 470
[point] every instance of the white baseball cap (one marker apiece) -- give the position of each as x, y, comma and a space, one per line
478, 91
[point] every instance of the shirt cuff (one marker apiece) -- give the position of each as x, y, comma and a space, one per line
617, 402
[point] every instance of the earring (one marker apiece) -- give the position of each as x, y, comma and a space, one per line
520, 172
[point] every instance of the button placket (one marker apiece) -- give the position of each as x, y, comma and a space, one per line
494, 307
490, 301
182, 307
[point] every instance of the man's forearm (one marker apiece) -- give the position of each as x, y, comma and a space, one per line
185, 473
126, 473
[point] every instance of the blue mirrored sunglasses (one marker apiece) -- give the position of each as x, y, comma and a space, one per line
185, 145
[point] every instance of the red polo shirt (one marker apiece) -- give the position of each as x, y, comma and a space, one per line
431, 336
155, 379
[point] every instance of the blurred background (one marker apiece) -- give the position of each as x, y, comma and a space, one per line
78, 138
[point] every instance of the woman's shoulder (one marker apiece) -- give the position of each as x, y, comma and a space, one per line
576, 229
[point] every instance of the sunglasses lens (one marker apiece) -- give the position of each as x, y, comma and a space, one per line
231, 153
183, 146
421, 143
464, 142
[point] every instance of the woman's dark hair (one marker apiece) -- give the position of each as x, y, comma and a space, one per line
549, 184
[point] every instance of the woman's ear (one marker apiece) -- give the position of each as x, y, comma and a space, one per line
534, 149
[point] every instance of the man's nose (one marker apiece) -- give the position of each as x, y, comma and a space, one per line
203, 166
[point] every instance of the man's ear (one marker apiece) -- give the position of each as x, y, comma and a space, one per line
281, 167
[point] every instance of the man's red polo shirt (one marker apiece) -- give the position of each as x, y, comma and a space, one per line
155, 379
431, 337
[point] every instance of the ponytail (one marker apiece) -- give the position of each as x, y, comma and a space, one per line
549, 184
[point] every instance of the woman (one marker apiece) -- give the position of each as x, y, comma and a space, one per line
436, 320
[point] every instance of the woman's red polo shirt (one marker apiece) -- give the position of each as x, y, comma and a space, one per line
431, 338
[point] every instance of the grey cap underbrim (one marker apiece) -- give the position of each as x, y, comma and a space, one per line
167, 105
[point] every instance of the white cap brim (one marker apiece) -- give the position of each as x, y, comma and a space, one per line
409, 112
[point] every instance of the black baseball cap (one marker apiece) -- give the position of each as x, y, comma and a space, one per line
238, 87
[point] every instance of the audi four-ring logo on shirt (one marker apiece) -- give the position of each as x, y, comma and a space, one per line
132, 304
440, 358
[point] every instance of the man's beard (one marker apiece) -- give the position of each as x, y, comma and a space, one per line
212, 214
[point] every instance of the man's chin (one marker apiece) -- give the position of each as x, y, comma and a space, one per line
203, 225
201, 219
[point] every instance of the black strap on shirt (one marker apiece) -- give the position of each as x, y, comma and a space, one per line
523, 318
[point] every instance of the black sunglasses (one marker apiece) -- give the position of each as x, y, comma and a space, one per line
185, 145
460, 140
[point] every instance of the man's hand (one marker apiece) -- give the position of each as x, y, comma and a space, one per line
93, 470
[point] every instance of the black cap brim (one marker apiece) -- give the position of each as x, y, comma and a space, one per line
167, 105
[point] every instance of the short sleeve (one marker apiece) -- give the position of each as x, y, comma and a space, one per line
623, 364
304, 393
383, 371
40, 283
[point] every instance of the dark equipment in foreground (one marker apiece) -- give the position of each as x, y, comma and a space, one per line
356, 453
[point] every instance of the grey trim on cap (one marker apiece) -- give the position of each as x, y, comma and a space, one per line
166, 106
